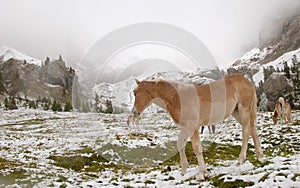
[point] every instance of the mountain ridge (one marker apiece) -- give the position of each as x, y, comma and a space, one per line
25, 76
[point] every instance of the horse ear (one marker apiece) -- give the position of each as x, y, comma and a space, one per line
137, 81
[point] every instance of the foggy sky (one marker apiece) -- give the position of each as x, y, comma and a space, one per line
69, 27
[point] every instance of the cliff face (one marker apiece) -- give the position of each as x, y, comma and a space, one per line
283, 34
274, 65
276, 85
52, 79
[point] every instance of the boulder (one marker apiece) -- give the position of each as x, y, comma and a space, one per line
277, 85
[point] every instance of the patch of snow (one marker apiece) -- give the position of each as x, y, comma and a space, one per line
29, 137
51, 85
8, 53
277, 63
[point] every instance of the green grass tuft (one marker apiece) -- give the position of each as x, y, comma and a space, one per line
295, 176
218, 181
213, 154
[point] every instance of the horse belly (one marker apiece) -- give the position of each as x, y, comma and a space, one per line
217, 112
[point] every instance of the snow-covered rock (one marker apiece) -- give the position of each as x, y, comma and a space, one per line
277, 63
7, 53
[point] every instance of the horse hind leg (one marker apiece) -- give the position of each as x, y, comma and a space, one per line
242, 115
199, 154
246, 135
237, 116
246, 128
258, 150
181, 142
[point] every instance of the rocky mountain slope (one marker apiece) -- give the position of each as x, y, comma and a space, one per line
22, 76
274, 66
283, 34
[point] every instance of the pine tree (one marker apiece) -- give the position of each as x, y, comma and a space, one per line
32, 105
286, 71
36, 103
267, 73
59, 107
295, 62
2, 87
6, 103
39, 99
44, 100
12, 101
68, 107
46, 106
96, 99
54, 106
109, 107
97, 102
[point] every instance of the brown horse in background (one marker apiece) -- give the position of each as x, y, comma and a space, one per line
282, 110
192, 106
132, 120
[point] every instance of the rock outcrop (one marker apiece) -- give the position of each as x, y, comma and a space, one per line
276, 85
52, 79
277, 54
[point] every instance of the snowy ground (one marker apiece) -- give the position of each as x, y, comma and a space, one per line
39, 148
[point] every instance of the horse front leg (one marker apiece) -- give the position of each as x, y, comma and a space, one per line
182, 139
199, 154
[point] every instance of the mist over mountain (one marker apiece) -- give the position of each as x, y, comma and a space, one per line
274, 65
278, 51
139, 69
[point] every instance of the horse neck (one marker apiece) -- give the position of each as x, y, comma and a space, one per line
159, 102
167, 98
163, 92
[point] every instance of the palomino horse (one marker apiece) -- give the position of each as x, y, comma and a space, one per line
192, 106
132, 120
282, 110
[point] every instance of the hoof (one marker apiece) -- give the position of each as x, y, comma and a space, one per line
201, 177
259, 155
183, 171
241, 160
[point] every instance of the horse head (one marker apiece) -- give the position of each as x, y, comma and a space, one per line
143, 94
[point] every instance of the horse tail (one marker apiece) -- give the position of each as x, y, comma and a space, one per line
282, 102
253, 110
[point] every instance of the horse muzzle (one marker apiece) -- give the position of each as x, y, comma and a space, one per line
135, 113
